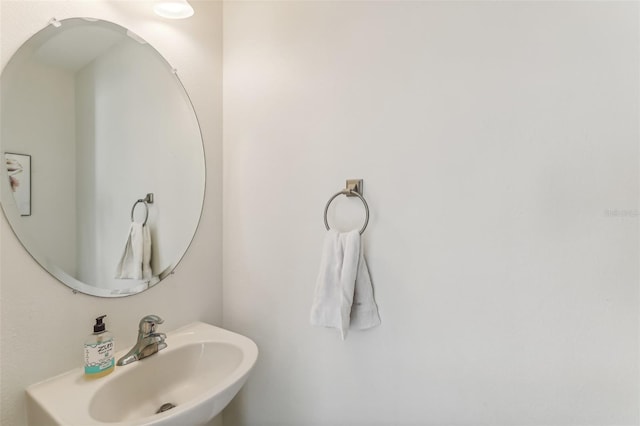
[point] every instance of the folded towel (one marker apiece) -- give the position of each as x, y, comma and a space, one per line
344, 295
135, 262
146, 253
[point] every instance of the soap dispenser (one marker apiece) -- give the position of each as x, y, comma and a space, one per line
99, 351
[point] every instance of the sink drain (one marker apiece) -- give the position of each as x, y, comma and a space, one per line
165, 407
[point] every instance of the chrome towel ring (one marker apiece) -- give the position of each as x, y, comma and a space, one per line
353, 189
145, 201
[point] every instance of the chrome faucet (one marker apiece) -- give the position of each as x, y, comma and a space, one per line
149, 342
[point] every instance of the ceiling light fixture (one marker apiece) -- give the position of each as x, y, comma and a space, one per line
173, 9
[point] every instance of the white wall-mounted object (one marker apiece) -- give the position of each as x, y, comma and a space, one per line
189, 382
173, 9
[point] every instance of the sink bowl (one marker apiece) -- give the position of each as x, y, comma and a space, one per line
193, 379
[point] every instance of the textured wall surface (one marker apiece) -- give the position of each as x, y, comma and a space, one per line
43, 325
498, 142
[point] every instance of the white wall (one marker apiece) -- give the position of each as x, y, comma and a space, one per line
498, 142
42, 323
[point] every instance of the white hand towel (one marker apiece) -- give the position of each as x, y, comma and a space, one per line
135, 262
146, 253
364, 311
344, 294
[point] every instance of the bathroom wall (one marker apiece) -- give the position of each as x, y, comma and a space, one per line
42, 323
498, 143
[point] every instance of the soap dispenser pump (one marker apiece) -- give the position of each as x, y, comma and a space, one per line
99, 349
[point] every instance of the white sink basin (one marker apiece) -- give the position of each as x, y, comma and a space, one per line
200, 371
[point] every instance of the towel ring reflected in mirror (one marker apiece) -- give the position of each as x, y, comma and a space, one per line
348, 193
145, 201
146, 211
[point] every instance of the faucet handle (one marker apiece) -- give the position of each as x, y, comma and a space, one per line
148, 324
159, 336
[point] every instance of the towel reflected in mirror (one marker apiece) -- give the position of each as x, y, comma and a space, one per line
135, 262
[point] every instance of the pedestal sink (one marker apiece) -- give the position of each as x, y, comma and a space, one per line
188, 383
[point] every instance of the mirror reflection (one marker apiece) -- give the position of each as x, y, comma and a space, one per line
93, 120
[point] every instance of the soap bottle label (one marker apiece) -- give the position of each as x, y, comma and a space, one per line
98, 357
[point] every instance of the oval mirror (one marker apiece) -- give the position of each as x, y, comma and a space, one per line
92, 120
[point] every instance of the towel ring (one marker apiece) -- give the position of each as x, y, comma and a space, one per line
146, 211
348, 192
145, 201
